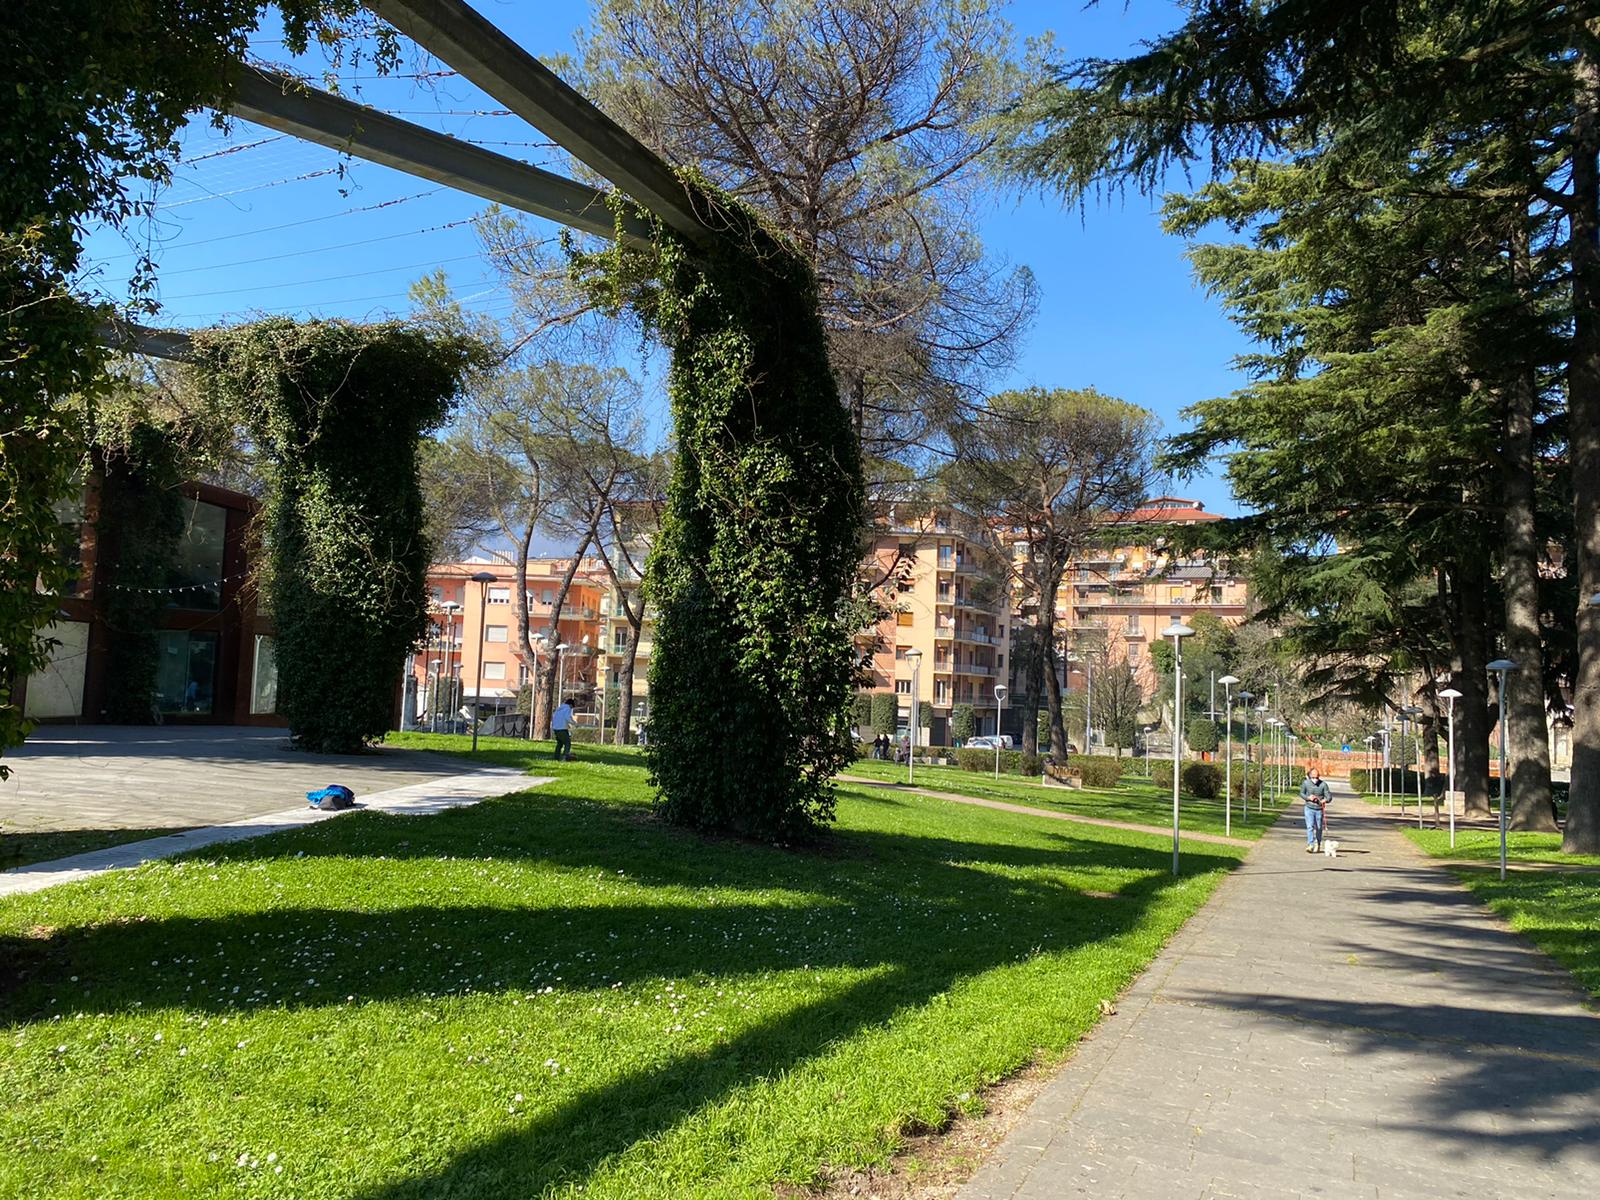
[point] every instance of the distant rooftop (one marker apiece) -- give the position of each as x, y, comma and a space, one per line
1179, 510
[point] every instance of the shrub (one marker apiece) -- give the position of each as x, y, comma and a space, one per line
1202, 735
1247, 782
963, 723
1202, 779
861, 709
885, 712
1012, 762
925, 714
1098, 770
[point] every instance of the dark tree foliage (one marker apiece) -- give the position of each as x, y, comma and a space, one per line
337, 410
760, 540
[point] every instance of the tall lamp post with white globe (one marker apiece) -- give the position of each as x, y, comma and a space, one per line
1227, 682
1450, 695
1000, 692
914, 657
1177, 631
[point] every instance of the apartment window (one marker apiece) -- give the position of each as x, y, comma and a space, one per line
905, 619
944, 591
1175, 595
619, 641
1216, 595
195, 572
900, 652
902, 687
947, 557
499, 595
907, 550
496, 633
1134, 623
494, 670
1134, 651
999, 660
547, 597
186, 671
941, 691
522, 674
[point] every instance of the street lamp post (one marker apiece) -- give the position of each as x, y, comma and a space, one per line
1412, 711
1227, 682
434, 665
1000, 692
1450, 695
1502, 667
1244, 792
1369, 739
1262, 724
451, 608
483, 579
1177, 631
561, 673
1088, 702
914, 657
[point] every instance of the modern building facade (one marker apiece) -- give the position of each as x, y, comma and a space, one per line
215, 658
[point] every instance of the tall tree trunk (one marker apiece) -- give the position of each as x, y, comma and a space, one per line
1471, 581
630, 654
1033, 685
551, 674
1583, 404
1528, 738
524, 644
1058, 725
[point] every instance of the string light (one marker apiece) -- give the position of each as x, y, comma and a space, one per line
177, 591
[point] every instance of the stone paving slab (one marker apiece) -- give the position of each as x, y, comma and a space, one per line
164, 777
417, 799
1355, 1027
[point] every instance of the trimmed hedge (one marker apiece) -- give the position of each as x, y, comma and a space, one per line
1097, 770
1200, 779
1012, 762
1400, 779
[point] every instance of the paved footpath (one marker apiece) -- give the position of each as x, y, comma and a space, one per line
1350, 1027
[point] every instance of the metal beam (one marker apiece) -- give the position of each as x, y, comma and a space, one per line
130, 338
476, 48
282, 103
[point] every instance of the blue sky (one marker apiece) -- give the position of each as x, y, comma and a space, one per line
257, 223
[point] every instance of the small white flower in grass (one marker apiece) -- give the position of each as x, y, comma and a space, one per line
158, 1037
272, 1157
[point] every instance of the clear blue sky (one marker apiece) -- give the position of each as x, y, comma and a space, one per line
268, 228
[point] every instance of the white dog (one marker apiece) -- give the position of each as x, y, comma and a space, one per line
1330, 848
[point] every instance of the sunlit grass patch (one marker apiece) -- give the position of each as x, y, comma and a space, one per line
551, 993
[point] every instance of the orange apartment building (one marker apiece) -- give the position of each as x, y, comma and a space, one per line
935, 585
443, 675
1117, 599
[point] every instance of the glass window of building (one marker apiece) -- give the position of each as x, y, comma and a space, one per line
496, 633
499, 595
494, 670
195, 575
186, 672
264, 676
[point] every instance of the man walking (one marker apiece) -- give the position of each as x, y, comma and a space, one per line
1315, 794
559, 722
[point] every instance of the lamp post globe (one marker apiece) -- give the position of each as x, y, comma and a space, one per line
1177, 631
1503, 667
1000, 693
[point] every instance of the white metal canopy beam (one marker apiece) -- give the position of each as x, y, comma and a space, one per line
131, 338
285, 104
464, 40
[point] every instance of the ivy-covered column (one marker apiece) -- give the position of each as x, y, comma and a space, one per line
336, 411
752, 665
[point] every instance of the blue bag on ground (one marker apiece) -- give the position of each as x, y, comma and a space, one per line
335, 795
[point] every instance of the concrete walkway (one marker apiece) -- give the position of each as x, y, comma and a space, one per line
1184, 835
1350, 1027
417, 799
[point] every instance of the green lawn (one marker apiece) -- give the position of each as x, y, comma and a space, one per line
21, 847
1136, 799
1483, 845
551, 994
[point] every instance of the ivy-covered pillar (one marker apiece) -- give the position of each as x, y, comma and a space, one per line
752, 667
336, 411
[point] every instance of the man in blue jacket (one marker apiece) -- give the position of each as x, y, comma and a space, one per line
1314, 794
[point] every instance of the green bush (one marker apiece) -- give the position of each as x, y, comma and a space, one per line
1012, 762
885, 712
963, 723
1247, 782
1371, 783
861, 709
1202, 779
1097, 770
1202, 735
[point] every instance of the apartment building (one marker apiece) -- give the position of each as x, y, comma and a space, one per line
444, 673
614, 634
1116, 599
946, 604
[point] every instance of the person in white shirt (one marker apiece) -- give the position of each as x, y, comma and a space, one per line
560, 720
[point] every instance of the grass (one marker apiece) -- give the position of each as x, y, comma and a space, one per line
1136, 800
550, 994
1483, 845
20, 847
1558, 911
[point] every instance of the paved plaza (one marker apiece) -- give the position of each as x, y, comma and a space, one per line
1350, 1027
169, 777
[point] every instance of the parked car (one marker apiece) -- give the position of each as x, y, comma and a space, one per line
989, 741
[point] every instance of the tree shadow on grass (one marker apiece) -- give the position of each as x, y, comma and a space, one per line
919, 913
